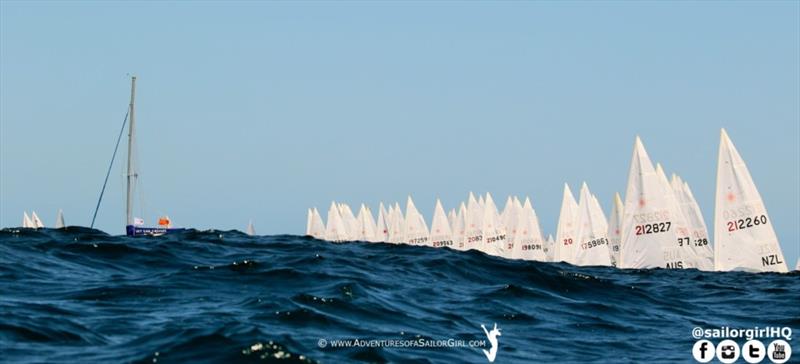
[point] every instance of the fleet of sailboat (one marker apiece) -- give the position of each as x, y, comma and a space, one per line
658, 224
34, 222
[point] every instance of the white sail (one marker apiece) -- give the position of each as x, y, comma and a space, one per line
381, 227
564, 247
494, 233
441, 235
549, 248
473, 236
37, 222
416, 230
317, 226
335, 231
309, 218
506, 211
451, 219
366, 225
60, 220
649, 238
370, 221
744, 238
512, 220
597, 214
797, 266
591, 243
251, 230
396, 225
460, 228
614, 230
696, 254
528, 243
26, 221
694, 218
350, 221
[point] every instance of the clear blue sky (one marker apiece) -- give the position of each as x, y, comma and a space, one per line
260, 110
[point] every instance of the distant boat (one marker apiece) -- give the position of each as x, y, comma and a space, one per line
135, 226
744, 237
60, 220
37, 222
250, 229
26, 220
614, 230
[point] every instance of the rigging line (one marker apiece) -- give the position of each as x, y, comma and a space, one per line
103, 190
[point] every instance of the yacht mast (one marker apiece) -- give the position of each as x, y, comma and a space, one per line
131, 172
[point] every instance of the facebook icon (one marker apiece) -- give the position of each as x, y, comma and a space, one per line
703, 351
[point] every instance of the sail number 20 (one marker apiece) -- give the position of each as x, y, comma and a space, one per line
747, 222
654, 228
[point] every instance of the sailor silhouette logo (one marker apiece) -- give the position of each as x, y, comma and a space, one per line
779, 351
492, 335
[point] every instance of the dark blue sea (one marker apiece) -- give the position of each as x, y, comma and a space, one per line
81, 295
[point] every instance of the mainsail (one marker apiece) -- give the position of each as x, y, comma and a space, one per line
251, 230
591, 243
473, 235
614, 231
60, 220
459, 228
26, 220
416, 230
694, 218
494, 233
335, 231
564, 247
381, 228
37, 222
396, 224
317, 226
366, 225
695, 254
649, 238
309, 219
528, 243
441, 235
744, 238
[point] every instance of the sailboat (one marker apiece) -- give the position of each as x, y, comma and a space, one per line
26, 221
494, 233
251, 230
135, 226
614, 230
650, 219
60, 220
416, 230
591, 239
744, 238
564, 249
37, 222
441, 233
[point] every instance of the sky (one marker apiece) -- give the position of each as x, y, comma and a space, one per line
260, 110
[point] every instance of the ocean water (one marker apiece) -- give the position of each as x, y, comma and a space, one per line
80, 295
